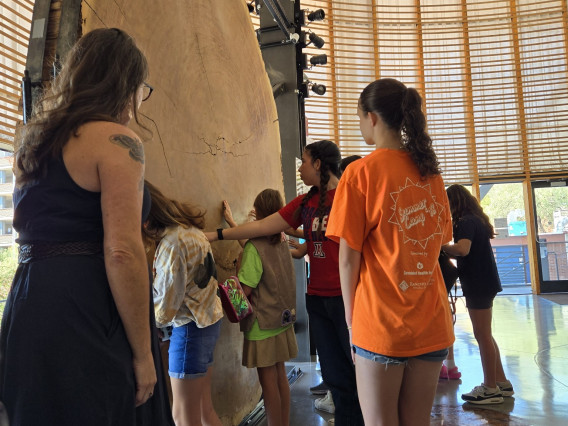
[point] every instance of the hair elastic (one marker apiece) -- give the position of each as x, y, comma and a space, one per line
219, 233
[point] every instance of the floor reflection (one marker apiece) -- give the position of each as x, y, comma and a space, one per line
532, 335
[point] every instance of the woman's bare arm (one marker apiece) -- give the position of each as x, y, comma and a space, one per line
120, 166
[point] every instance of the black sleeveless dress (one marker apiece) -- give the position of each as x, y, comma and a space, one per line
64, 356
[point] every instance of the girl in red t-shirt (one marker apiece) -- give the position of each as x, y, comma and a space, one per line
324, 303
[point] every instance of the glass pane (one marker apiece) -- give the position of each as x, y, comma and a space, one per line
504, 205
552, 228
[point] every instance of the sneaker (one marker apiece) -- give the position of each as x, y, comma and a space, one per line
451, 374
325, 403
320, 389
506, 388
482, 395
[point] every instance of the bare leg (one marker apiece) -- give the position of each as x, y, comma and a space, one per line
187, 395
418, 391
449, 361
284, 388
378, 386
208, 415
268, 377
450, 356
481, 321
499, 372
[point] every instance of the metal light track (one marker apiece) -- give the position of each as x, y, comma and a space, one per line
278, 14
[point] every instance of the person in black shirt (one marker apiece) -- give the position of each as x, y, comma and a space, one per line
480, 284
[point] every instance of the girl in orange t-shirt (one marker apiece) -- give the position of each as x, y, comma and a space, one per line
391, 217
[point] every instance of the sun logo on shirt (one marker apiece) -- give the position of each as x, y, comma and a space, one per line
416, 213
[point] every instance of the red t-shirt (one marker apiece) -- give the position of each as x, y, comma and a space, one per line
323, 252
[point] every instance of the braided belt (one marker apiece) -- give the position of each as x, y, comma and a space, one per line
30, 252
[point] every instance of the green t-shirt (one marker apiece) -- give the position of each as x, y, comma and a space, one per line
250, 275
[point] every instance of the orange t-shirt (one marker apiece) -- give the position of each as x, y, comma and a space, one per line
398, 222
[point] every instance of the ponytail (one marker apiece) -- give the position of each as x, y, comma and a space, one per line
415, 138
324, 180
400, 107
313, 191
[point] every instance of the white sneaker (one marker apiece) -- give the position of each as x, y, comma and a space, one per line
325, 403
483, 395
506, 388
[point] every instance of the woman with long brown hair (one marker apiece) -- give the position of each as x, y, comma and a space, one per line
480, 284
75, 338
185, 297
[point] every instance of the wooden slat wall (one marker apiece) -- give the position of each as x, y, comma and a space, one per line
15, 25
493, 73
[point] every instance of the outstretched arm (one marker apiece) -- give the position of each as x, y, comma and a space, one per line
270, 225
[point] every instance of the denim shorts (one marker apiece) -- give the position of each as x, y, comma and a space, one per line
436, 356
191, 350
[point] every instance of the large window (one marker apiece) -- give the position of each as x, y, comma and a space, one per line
15, 24
504, 205
493, 75
6, 202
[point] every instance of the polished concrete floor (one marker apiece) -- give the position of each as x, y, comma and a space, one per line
532, 333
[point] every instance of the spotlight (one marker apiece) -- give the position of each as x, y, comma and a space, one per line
317, 40
314, 60
316, 15
319, 59
318, 89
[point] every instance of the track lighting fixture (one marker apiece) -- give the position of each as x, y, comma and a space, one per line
319, 59
318, 89
306, 86
314, 60
316, 40
316, 15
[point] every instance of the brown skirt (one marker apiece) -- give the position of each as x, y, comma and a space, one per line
267, 352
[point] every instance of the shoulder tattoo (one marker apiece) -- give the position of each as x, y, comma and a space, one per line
134, 146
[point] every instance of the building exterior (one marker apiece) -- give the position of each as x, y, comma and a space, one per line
7, 234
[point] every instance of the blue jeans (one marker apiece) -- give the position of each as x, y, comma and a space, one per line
436, 356
327, 321
191, 350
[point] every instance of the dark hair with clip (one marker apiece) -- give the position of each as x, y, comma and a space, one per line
346, 161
